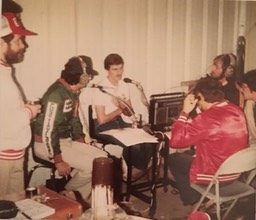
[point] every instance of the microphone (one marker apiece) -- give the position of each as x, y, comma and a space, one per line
99, 86
95, 86
127, 80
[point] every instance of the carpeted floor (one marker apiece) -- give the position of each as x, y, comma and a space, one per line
169, 206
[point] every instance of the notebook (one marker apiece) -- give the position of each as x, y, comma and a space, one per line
33, 209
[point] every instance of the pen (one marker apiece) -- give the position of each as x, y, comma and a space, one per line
24, 214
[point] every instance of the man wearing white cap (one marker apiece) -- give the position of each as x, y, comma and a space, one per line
15, 115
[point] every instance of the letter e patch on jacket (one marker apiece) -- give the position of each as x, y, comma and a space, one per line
67, 105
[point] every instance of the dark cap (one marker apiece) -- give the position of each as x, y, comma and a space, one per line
77, 66
89, 65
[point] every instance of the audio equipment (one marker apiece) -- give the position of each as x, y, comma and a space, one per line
83, 64
84, 78
164, 109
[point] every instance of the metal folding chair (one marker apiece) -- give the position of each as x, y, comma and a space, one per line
240, 162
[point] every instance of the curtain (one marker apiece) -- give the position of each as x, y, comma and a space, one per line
163, 42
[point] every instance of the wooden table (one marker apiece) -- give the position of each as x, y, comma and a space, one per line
65, 208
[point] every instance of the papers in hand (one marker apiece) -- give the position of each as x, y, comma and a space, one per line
131, 136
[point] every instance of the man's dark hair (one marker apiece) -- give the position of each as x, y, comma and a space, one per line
228, 61
249, 79
210, 88
8, 38
112, 59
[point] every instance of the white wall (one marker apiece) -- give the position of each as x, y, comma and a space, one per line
163, 42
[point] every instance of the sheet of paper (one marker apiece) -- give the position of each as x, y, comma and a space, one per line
33, 209
131, 136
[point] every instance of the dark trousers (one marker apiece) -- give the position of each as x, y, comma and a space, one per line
179, 165
140, 153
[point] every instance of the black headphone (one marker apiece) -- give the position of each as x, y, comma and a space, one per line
229, 64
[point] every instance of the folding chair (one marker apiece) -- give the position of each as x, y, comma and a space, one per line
42, 164
240, 162
54, 182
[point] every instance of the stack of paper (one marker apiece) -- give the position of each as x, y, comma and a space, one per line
33, 209
131, 136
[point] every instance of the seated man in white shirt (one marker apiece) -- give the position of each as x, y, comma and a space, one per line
109, 109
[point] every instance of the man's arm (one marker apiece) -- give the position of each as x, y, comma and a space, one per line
186, 134
190, 133
102, 117
50, 135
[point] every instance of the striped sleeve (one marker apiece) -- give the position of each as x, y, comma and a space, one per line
11, 154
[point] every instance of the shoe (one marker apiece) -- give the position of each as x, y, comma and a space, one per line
69, 194
76, 196
85, 203
208, 207
209, 204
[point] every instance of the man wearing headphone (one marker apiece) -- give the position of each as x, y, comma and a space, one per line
59, 137
223, 69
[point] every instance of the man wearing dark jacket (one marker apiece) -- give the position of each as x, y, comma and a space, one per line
224, 70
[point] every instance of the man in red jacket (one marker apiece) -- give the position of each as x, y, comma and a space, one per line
216, 133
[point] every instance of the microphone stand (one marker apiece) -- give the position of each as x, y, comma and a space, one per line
143, 96
134, 119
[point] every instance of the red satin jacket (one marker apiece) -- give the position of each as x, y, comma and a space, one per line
216, 134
